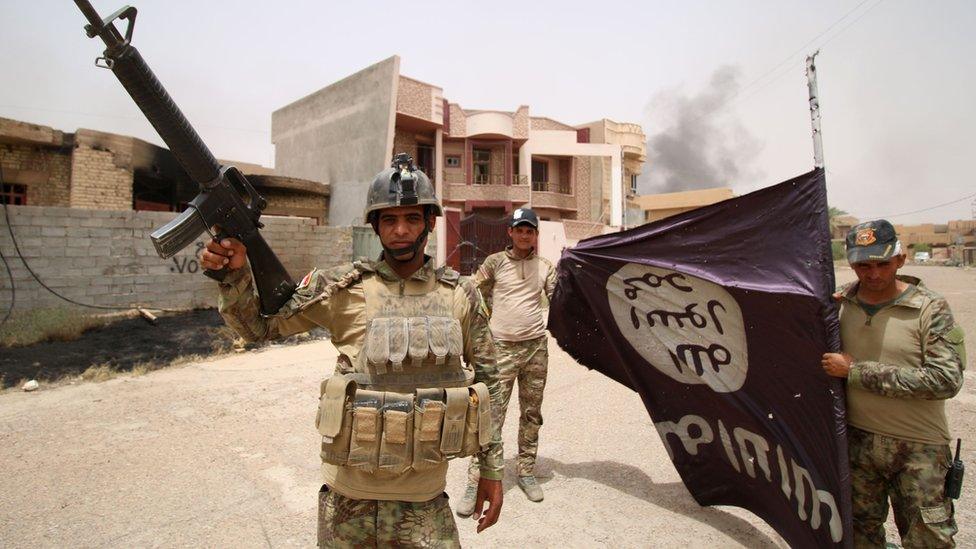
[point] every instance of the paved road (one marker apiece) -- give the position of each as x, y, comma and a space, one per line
223, 453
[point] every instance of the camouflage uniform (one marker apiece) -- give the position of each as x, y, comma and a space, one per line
525, 361
914, 474
905, 451
335, 299
348, 522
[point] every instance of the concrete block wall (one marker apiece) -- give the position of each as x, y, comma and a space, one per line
105, 257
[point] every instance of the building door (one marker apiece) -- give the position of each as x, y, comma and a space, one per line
425, 160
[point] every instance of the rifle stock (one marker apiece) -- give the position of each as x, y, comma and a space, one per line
226, 198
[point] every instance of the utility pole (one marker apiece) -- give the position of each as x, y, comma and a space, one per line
818, 159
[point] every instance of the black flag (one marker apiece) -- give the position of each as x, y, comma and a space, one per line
718, 318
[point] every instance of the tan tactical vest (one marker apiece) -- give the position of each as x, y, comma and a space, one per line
410, 403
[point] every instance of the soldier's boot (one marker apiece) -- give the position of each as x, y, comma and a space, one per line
531, 487
466, 507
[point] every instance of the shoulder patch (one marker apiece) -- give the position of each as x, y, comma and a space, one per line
322, 284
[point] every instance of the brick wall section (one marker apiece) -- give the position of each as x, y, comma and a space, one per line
404, 141
101, 171
286, 199
459, 122
606, 184
520, 123
105, 257
507, 193
498, 166
45, 172
542, 123
415, 98
585, 204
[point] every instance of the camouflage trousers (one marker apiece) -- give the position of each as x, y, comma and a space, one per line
359, 523
528, 363
913, 475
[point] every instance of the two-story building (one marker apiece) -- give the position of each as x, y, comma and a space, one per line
483, 162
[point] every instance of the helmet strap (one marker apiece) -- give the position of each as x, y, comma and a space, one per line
399, 254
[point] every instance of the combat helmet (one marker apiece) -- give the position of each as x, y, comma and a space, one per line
402, 184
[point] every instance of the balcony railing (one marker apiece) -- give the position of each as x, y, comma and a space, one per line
485, 179
551, 187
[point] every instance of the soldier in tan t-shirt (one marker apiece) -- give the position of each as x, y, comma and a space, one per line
902, 357
517, 284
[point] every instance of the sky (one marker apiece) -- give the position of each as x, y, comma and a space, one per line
719, 87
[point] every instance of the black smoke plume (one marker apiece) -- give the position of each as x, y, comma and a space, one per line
699, 144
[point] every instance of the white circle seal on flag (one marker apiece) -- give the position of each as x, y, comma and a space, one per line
688, 328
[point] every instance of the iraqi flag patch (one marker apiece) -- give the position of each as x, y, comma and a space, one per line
305, 281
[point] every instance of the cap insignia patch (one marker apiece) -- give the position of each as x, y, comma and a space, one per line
865, 237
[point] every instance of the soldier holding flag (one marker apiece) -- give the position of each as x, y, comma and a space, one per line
903, 357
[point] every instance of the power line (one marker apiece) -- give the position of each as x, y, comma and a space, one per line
967, 197
784, 69
801, 50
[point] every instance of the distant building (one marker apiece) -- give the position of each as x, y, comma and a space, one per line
841, 225
105, 171
660, 206
955, 240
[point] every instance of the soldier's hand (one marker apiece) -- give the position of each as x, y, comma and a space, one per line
837, 364
229, 253
490, 491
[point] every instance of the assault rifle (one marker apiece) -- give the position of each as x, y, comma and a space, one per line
226, 200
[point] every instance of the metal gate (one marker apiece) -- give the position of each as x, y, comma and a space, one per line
474, 238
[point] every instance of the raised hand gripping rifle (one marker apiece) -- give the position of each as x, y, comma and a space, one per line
226, 200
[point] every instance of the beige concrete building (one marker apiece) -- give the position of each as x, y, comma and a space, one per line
96, 170
955, 240
660, 206
841, 225
482, 162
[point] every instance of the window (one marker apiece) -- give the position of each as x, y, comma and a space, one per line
482, 166
633, 183
425, 160
452, 161
540, 175
540, 171
13, 194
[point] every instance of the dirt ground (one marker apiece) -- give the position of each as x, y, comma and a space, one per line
223, 453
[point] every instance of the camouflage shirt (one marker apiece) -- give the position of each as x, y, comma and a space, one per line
908, 358
517, 289
334, 299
